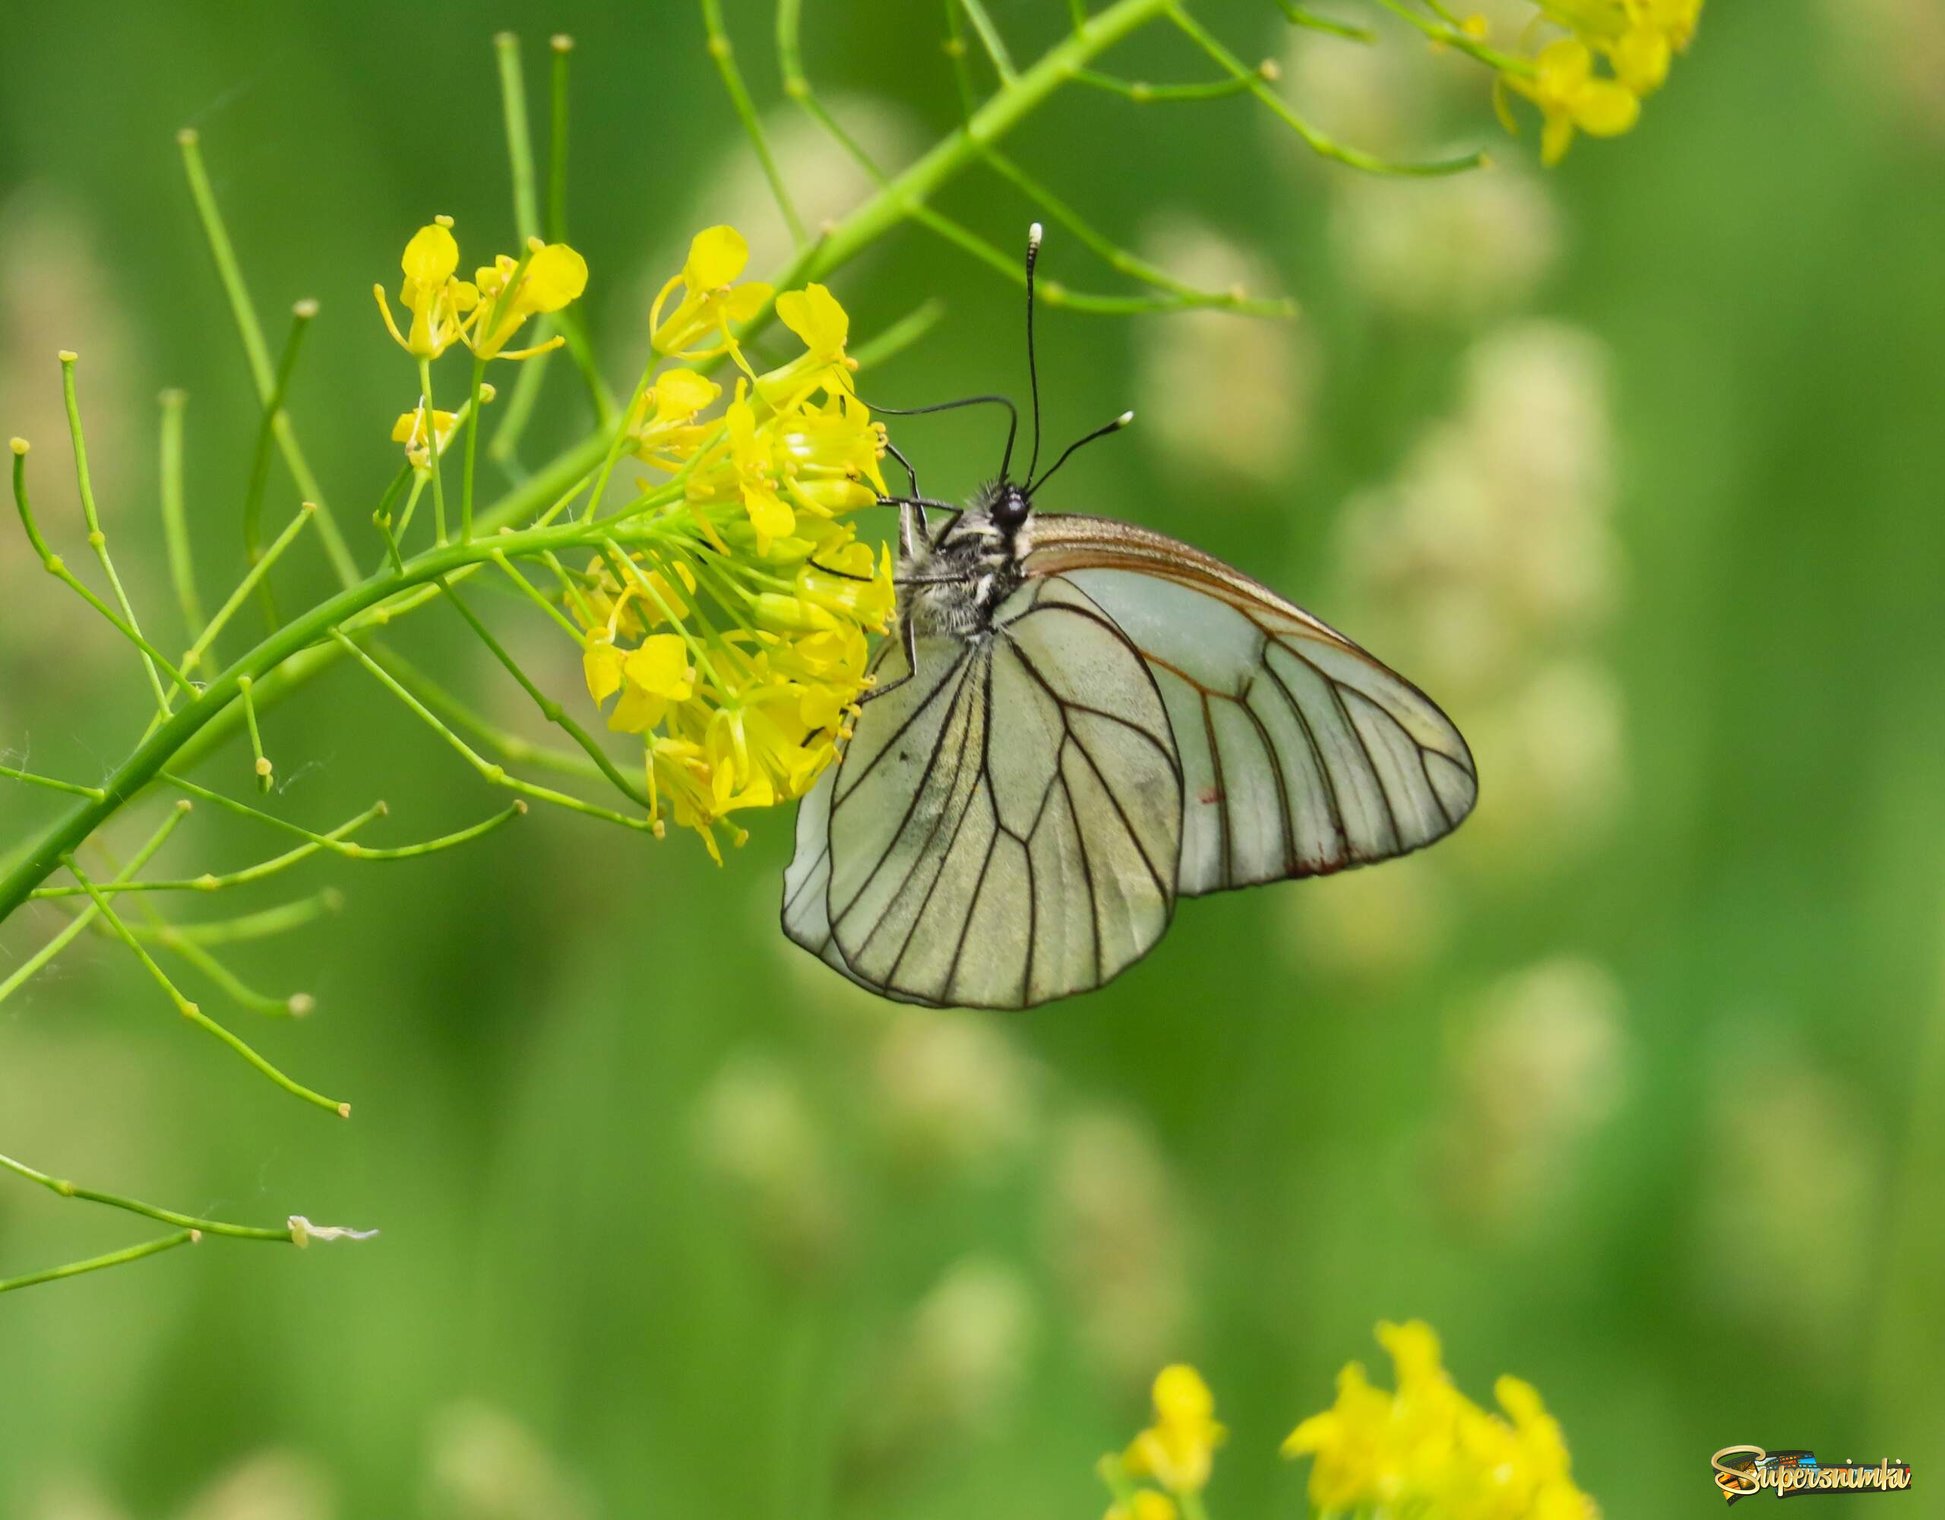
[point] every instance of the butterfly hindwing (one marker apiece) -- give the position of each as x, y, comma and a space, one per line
1301, 753
1004, 827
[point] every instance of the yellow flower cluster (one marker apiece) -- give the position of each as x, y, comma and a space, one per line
1175, 1454
482, 313
1428, 1449
739, 653
1614, 54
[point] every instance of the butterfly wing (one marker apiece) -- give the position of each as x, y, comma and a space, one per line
1301, 753
1003, 827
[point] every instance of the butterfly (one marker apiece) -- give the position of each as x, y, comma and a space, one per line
1081, 722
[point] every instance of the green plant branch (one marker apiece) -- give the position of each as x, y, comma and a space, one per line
263, 924
739, 95
211, 881
175, 522
98, 540
252, 578
256, 352
44, 956
300, 321
511, 747
119, 1258
190, 1010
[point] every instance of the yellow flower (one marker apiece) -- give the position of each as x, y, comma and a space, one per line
665, 430
438, 302
1144, 1504
1428, 1449
552, 276
1178, 1450
711, 300
753, 453
410, 431
1573, 98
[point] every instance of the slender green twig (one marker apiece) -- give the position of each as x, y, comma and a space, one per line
175, 523
1447, 32
57, 567
255, 351
263, 924
273, 408
44, 956
261, 767
211, 881
119, 1258
562, 47
511, 747
547, 706
98, 540
50, 783
190, 1010
65, 1189
520, 149
335, 841
434, 451
1298, 15
491, 773
1318, 142
739, 95
252, 578
1142, 92
991, 40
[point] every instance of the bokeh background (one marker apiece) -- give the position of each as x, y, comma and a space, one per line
1633, 1088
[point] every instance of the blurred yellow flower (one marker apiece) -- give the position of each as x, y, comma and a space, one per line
1145, 1504
1427, 1449
410, 431
438, 303
1179, 1449
1573, 98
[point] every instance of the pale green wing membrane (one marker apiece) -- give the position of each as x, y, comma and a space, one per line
1003, 828
1301, 754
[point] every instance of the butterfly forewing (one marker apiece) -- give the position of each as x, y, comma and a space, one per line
1301, 754
1003, 827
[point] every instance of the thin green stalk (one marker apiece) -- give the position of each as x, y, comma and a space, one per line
1448, 33
520, 143
492, 774
472, 452
57, 567
70, 931
1318, 142
256, 352
64, 1189
298, 1005
273, 408
51, 783
98, 540
211, 881
189, 1010
175, 523
264, 771
334, 842
265, 923
1298, 16
739, 96
1142, 92
991, 40
562, 47
99, 1263
548, 708
433, 451
252, 578
511, 747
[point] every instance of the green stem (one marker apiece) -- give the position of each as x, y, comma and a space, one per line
256, 351
300, 321
432, 449
520, 143
563, 48
472, 451
263, 924
175, 522
265, 772
252, 578
66, 1189
51, 783
97, 540
98, 1263
739, 96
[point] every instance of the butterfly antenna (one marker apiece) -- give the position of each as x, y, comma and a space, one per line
1033, 364
1067, 453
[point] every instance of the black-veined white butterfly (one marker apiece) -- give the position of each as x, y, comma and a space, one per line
1080, 722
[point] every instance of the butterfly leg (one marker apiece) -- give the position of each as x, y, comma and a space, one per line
908, 636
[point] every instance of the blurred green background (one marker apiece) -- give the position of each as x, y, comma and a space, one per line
1632, 1089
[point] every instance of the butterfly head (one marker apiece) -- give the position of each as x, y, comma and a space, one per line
1010, 507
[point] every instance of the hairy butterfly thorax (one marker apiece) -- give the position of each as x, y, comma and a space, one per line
955, 580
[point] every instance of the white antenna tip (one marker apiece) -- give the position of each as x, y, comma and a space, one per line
1033, 235
1124, 419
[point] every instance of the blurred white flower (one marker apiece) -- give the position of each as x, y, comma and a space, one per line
1370, 925
482, 1464
755, 1129
1898, 49
953, 1092
1115, 1238
1537, 1062
1452, 250
268, 1485
1217, 391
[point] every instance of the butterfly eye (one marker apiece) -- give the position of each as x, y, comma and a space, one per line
1012, 508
